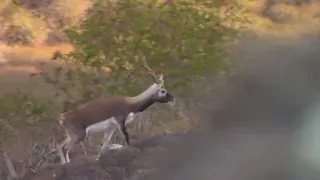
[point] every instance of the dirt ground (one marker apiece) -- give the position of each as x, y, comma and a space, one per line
18, 63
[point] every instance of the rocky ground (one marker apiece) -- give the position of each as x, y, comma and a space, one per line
141, 159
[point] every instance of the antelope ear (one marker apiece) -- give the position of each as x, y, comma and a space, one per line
161, 78
160, 85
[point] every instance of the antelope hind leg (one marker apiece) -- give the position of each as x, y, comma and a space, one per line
70, 145
84, 148
62, 157
76, 137
60, 150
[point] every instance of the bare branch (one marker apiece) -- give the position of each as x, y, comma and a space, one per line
34, 164
8, 161
56, 55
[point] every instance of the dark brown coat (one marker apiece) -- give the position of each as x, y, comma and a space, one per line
96, 111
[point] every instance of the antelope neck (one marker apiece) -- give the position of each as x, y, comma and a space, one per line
141, 106
144, 100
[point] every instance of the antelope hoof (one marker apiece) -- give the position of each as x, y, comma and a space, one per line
115, 146
98, 158
134, 137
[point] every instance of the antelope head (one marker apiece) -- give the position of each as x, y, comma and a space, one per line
158, 92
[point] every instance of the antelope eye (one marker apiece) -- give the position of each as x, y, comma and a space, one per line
163, 91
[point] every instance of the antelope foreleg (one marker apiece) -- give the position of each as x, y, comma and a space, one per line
121, 125
107, 137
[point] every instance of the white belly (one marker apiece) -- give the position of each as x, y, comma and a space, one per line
130, 118
106, 125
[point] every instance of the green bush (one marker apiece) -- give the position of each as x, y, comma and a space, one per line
183, 40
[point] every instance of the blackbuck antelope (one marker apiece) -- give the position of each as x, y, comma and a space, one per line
107, 114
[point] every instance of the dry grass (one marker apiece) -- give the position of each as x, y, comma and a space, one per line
19, 16
34, 53
73, 11
282, 20
4, 4
59, 14
17, 62
21, 61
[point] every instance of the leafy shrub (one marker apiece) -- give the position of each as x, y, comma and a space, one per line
183, 40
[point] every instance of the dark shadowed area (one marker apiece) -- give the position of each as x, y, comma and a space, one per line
260, 117
263, 126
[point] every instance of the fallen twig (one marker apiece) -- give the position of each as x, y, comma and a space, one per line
12, 172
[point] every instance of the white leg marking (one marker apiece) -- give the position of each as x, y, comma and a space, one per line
84, 148
115, 146
60, 149
110, 131
100, 127
130, 118
107, 137
67, 157
62, 157
108, 127
118, 126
